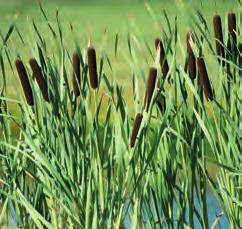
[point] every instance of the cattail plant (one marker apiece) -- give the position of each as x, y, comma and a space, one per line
218, 33
150, 87
204, 78
191, 58
40, 78
136, 127
92, 66
163, 60
24, 82
76, 76
232, 32
240, 59
161, 103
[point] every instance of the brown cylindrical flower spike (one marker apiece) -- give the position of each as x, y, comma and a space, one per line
24, 82
218, 33
150, 86
161, 102
204, 78
191, 58
232, 32
40, 78
163, 60
232, 25
92, 67
137, 123
77, 74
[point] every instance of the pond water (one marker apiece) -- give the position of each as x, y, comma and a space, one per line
212, 205
213, 211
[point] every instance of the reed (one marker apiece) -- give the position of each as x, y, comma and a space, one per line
136, 127
161, 103
77, 74
150, 86
218, 33
39, 78
232, 33
232, 25
163, 60
24, 82
92, 67
191, 58
204, 78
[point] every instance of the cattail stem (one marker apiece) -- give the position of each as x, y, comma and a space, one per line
92, 67
204, 78
40, 78
24, 82
150, 86
136, 127
163, 60
218, 33
191, 58
77, 74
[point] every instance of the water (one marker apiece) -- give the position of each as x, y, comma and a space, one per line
213, 211
212, 206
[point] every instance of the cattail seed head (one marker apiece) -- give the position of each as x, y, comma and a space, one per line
136, 127
232, 33
92, 67
204, 78
39, 78
24, 82
77, 74
191, 58
161, 103
240, 59
218, 33
150, 86
232, 25
163, 60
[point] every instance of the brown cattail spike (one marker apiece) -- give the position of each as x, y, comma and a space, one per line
150, 86
218, 33
24, 82
137, 123
92, 67
191, 58
232, 33
161, 102
76, 76
204, 78
240, 59
163, 60
40, 78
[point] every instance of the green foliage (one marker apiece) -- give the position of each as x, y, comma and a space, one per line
71, 165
